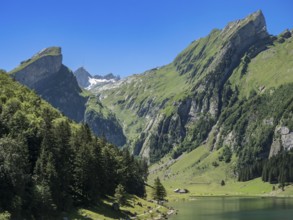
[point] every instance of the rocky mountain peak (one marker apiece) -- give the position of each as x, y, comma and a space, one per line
53, 81
87, 81
82, 77
253, 25
38, 67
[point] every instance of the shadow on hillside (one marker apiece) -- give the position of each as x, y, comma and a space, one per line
104, 209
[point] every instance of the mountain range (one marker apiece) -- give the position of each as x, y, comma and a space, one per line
232, 90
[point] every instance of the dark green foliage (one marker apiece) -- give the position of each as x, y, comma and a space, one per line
198, 133
49, 164
253, 123
215, 164
250, 171
159, 191
279, 168
14, 174
120, 194
227, 154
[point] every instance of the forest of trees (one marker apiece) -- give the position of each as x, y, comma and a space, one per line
279, 169
253, 122
49, 164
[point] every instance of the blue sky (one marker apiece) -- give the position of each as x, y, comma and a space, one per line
121, 36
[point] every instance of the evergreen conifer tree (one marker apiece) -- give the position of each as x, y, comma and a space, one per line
159, 191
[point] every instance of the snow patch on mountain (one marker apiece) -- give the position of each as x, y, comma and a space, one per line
98, 82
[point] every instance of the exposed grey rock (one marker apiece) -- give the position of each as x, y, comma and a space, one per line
284, 130
229, 140
105, 126
39, 70
82, 77
283, 140
287, 141
53, 81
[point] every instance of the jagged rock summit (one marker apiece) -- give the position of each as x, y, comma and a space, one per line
36, 69
53, 81
82, 77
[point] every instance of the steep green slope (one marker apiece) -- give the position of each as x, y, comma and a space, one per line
103, 122
179, 103
138, 95
270, 68
50, 165
231, 90
201, 172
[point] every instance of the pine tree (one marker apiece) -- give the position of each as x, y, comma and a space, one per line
159, 191
14, 174
120, 194
64, 158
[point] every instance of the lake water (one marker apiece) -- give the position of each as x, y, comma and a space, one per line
230, 208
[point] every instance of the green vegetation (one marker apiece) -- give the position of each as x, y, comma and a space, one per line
94, 105
253, 123
120, 194
195, 59
269, 69
226, 155
50, 164
210, 118
176, 106
141, 93
134, 207
195, 172
279, 169
159, 191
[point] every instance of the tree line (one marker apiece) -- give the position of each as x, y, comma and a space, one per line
49, 164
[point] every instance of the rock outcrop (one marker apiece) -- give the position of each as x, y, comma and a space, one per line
55, 83
82, 77
283, 140
103, 122
40, 67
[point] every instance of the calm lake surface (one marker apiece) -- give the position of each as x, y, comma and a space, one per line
220, 208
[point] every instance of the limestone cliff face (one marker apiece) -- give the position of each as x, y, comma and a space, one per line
53, 81
82, 77
103, 122
39, 67
283, 140
237, 37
